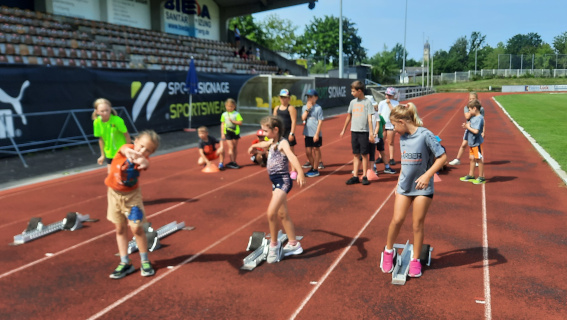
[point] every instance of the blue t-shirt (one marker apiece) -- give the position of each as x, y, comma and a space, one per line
476, 122
419, 151
312, 121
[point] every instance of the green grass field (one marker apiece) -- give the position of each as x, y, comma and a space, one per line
482, 85
543, 116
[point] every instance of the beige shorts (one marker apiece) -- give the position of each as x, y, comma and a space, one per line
120, 204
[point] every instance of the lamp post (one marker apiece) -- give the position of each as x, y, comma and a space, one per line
341, 40
404, 54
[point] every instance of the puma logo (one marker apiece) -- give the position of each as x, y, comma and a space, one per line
15, 102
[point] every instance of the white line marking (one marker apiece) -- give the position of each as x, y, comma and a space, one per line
195, 256
339, 258
485, 262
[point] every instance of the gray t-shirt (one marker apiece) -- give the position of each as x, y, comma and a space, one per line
313, 117
419, 151
476, 122
360, 110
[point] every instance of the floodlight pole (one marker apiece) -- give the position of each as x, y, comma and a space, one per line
404, 54
341, 40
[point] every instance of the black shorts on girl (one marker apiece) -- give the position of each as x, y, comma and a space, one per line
281, 181
309, 143
230, 135
286, 136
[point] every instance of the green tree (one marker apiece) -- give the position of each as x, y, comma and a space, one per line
524, 43
491, 59
560, 43
384, 66
476, 52
248, 28
458, 55
320, 39
279, 34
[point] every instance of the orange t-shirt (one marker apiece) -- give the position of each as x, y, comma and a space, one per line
123, 175
256, 141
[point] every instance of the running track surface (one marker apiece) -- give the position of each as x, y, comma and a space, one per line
499, 249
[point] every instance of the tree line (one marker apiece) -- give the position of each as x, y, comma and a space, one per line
319, 45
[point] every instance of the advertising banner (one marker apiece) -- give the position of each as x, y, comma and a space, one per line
191, 18
333, 92
155, 100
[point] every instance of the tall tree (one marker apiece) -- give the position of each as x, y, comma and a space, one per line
492, 57
398, 52
476, 52
279, 33
320, 39
458, 55
384, 66
524, 43
560, 43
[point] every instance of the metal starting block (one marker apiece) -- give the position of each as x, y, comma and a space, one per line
259, 244
36, 229
153, 236
401, 269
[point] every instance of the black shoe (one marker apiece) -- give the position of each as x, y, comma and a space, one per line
389, 170
232, 165
352, 180
365, 181
379, 160
122, 270
392, 162
147, 269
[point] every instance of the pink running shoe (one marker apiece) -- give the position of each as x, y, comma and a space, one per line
387, 261
293, 175
414, 268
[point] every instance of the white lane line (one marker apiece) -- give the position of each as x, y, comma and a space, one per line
195, 256
485, 261
339, 258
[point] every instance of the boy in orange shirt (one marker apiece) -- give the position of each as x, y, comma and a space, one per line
125, 204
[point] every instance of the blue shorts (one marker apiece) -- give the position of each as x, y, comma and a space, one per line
281, 181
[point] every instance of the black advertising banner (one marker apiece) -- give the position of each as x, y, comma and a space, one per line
155, 100
333, 92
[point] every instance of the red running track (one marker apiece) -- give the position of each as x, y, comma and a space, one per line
498, 248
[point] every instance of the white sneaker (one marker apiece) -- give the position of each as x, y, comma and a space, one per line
455, 162
274, 253
289, 250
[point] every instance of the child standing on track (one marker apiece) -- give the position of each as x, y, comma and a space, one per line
125, 204
208, 150
472, 96
379, 124
110, 130
312, 114
384, 108
422, 156
288, 115
360, 111
475, 127
279, 157
230, 131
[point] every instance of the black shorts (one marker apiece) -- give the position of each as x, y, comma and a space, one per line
309, 143
108, 160
281, 181
380, 145
286, 136
360, 143
230, 135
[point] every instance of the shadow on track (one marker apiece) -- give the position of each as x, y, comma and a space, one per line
463, 257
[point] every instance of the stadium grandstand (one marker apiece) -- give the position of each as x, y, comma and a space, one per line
128, 34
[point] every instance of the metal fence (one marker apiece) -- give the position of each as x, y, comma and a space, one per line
464, 76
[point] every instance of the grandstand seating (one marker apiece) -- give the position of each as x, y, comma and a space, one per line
31, 37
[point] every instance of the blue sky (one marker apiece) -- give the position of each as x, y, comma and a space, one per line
381, 22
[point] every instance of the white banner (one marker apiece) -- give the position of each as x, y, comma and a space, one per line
85, 9
192, 18
540, 88
134, 13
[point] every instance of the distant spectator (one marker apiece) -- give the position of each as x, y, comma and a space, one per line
236, 37
249, 52
279, 72
242, 53
286, 73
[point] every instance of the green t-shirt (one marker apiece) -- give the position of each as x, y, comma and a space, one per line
112, 134
235, 116
381, 129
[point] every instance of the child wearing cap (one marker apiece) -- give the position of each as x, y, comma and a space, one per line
259, 155
384, 108
208, 150
288, 115
312, 115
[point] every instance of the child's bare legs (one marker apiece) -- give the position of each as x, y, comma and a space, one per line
309, 154
220, 153
472, 165
364, 164
316, 157
232, 145
391, 134
141, 239
277, 209
420, 207
464, 145
401, 206
108, 168
355, 165
121, 239
480, 167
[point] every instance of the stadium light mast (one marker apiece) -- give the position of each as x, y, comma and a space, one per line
404, 57
341, 40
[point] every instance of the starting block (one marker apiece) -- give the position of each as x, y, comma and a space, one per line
259, 244
401, 268
36, 229
153, 236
